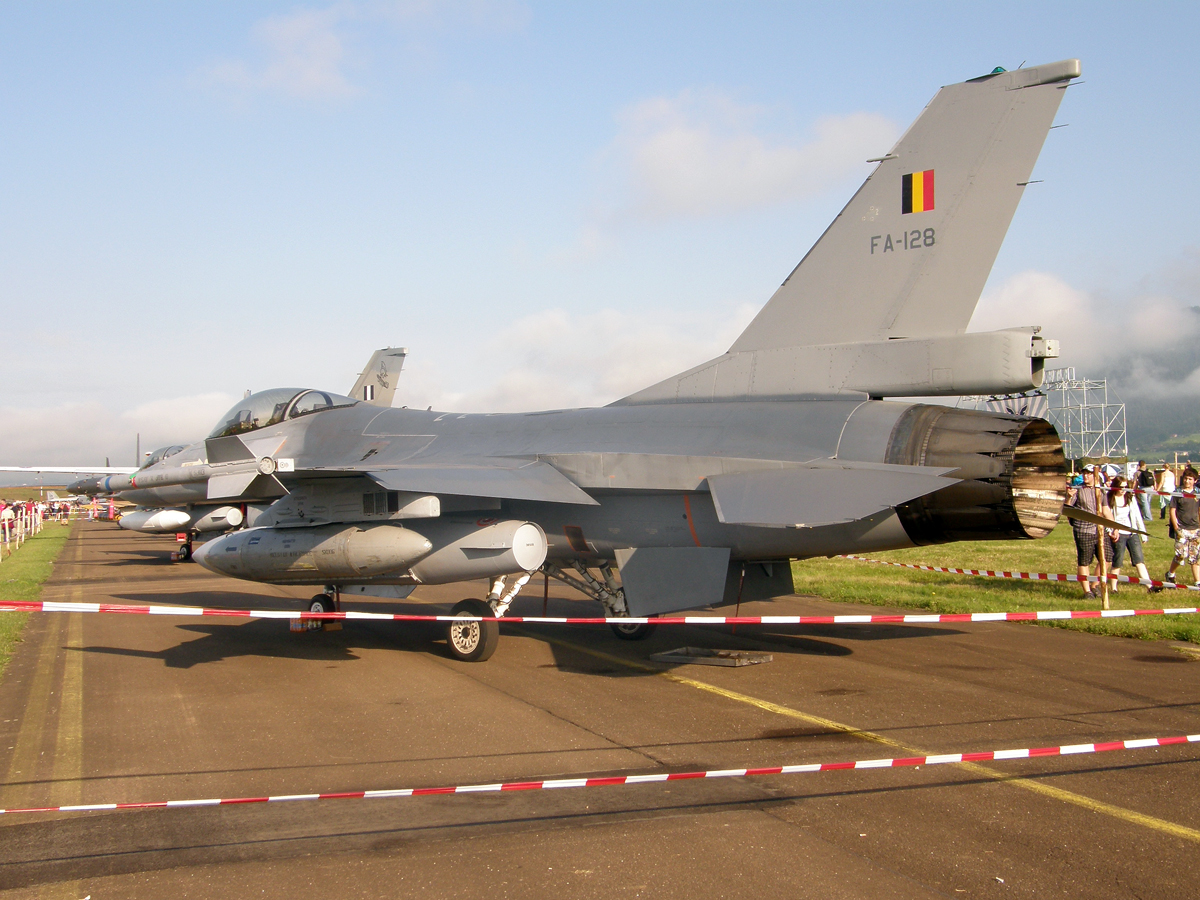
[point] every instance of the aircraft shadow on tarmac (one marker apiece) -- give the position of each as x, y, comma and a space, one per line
271, 637
138, 558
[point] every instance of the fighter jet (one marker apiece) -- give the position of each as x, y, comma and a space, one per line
702, 488
173, 490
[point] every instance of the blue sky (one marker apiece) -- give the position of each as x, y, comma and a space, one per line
196, 200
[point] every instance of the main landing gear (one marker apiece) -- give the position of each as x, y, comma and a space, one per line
609, 594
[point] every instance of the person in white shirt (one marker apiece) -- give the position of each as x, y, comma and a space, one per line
1126, 511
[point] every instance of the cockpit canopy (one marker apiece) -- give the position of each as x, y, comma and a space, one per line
274, 406
160, 454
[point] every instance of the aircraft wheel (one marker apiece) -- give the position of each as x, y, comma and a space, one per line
473, 641
322, 603
183, 554
632, 631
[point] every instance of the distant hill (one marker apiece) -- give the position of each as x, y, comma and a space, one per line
1157, 429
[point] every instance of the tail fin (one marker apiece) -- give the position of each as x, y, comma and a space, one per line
377, 383
909, 254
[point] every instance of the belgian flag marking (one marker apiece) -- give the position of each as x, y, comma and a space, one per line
916, 192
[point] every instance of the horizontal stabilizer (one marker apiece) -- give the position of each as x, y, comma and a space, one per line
819, 495
507, 479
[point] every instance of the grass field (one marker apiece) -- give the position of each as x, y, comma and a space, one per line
21, 577
852, 581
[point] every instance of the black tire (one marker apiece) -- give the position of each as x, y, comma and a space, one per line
322, 603
633, 632
184, 553
473, 641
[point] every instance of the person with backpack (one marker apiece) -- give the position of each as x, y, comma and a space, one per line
1145, 484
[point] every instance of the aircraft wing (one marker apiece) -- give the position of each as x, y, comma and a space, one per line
819, 494
492, 477
73, 470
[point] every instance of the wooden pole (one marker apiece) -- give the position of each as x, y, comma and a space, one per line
1101, 542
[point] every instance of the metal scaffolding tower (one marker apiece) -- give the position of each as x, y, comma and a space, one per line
1089, 417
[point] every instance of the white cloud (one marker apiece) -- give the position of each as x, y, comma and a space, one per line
492, 15
306, 54
303, 56
699, 154
557, 360
1146, 344
84, 434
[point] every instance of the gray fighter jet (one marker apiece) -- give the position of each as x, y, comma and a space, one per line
173, 491
701, 488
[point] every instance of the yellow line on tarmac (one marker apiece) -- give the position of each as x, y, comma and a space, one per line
1117, 812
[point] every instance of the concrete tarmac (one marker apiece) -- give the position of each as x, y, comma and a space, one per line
105, 708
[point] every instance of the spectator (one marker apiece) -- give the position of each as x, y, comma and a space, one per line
1087, 543
1145, 484
1166, 487
1185, 520
1126, 511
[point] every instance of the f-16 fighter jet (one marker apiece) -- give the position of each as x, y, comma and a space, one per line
790, 445
173, 489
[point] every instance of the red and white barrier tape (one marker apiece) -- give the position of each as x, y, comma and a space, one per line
549, 784
914, 618
1024, 576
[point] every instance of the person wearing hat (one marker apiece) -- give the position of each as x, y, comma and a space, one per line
1087, 539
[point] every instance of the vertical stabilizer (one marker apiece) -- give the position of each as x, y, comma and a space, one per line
377, 383
909, 254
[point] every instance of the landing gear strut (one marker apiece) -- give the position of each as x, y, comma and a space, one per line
607, 592
184, 552
330, 601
